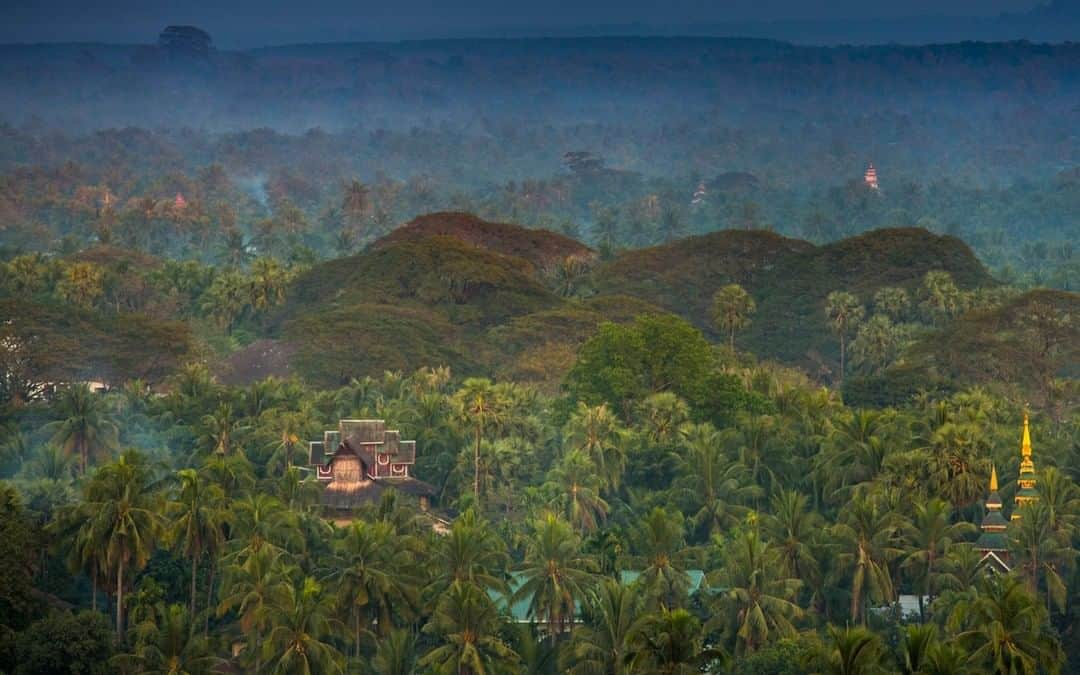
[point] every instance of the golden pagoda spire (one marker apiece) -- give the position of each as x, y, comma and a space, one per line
993, 478
1026, 493
1025, 443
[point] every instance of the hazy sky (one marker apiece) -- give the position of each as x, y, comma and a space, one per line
252, 22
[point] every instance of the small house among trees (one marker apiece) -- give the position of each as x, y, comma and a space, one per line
360, 460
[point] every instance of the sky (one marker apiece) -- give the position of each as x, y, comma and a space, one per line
250, 23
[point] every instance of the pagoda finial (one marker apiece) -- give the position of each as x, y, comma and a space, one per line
993, 478
1025, 443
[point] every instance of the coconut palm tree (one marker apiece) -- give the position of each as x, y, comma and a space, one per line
663, 547
555, 575
929, 534
668, 643
197, 523
1008, 630
792, 527
396, 654
250, 589
470, 552
374, 577
577, 486
125, 504
169, 646
717, 487
868, 539
597, 432
611, 616
466, 623
853, 651
1042, 554
301, 624
84, 425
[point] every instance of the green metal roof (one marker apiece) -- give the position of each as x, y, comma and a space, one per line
519, 611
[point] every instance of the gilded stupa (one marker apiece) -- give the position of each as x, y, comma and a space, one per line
1025, 493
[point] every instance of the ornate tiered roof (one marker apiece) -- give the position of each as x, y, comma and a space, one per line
360, 460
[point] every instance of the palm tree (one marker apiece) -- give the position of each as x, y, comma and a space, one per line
218, 429
169, 646
853, 651
663, 546
226, 299
396, 654
262, 521
374, 577
470, 552
919, 642
1008, 630
601, 646
555, 576
867, 535
479, 405
124, 502
758, 596
596, 431
198, 519
84, 425
467, 622
844, 312
708, 478
732, 307
301, 624
668, 643
856, 449
578, 491
1041, 553
251, 588
929, 534
290, 430
267, 283
791, 526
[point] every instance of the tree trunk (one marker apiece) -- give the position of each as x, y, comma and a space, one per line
356, 616
93, 587
843, 353
194, 576
83, 454
209, 598
731, 339
120, 601
476, 466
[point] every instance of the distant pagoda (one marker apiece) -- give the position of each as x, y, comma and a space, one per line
699, 195
870, 178
1026, 493
993, 543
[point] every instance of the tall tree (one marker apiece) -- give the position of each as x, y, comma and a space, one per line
85, 425
732, 308
480, 406
844, 312
466, 622
302, 628
198, 518
555, 575
126, 505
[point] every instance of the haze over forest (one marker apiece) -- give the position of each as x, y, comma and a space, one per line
612, 346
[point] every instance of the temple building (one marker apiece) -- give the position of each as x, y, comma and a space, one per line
360, 460
993, 542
